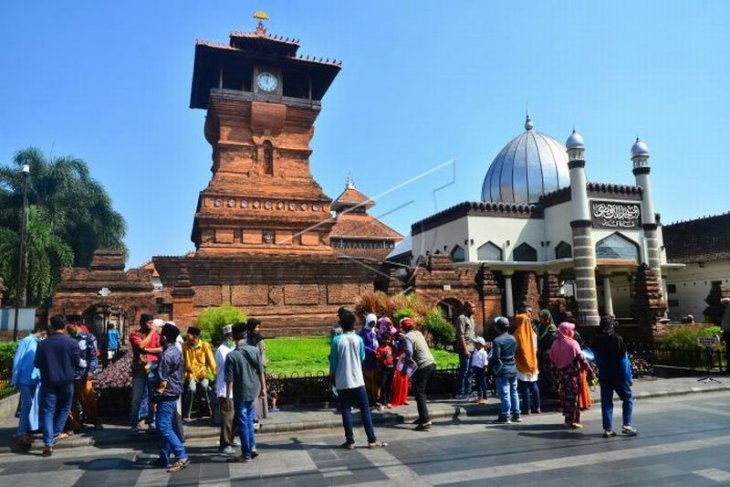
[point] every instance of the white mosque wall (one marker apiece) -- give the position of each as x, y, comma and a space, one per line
441, 239
557, 226
483, 229
688, 287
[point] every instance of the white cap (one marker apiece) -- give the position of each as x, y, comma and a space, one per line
157, 323
227, 329
480, 341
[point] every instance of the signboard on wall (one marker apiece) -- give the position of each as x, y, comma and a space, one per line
610, 214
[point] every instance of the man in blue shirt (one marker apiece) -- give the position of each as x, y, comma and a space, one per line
26, 378
84, 402
112, 342
57, 358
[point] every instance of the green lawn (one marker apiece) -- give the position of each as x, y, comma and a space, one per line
309, 355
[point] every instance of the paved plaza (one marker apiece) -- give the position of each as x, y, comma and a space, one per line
683, 441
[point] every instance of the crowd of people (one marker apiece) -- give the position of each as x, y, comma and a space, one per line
54, 370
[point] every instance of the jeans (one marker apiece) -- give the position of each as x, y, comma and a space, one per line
507, 390
463, 386
526, 389
480, 377
420, 382
170, 441
55, 406
360, 396
139, 385
189, 396
28, 420
623, 389
245, 415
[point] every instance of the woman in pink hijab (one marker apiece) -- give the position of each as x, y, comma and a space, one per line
568, 360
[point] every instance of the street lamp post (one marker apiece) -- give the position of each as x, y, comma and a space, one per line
20, 297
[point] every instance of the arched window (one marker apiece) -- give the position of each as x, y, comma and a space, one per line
563, 251
458, 254
524, 253
268, 158
616, 246
489, 251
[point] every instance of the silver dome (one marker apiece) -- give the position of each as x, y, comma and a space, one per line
575, 141
531, 165
639, 149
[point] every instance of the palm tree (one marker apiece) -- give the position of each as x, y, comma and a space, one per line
75, 206
46, 255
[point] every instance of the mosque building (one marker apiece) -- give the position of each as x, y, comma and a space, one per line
543, 235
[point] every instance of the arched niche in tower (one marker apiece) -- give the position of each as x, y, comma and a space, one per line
268, 158
617, 246
563, 251
524, 253
489, 251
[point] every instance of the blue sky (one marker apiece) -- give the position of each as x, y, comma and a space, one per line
423, 82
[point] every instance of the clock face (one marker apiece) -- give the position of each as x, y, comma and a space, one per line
267, 81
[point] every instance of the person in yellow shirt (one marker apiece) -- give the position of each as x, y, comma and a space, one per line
199, 369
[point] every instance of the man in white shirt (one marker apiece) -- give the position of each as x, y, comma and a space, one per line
346, 356
225, 404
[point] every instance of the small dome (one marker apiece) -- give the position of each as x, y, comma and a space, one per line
575, 141
640, 149
529, 166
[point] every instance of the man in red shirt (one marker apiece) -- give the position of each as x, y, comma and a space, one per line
145, 342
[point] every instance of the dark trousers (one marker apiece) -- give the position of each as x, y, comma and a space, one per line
420, 382
480, 377
358, 396
463, 386
386, 385
526, 390
228, 428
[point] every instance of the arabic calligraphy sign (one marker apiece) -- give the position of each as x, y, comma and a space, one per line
615, 215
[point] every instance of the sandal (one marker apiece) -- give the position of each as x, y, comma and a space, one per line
179, 465
377, 444
63, 436
348, 446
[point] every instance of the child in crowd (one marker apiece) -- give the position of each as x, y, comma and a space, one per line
479, 362
386, 366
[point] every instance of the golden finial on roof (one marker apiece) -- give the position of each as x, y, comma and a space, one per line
261, 16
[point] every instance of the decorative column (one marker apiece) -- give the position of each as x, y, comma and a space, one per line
647, 305
584, 252
551, 297
640, 158
490, 296
509, 300
183, 310
607, 300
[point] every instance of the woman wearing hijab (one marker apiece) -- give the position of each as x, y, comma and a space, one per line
545, 331
399, 395
385, 327
615, 374
369, 365
526, 360
568, 360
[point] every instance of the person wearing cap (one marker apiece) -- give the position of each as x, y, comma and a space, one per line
370, 365
418, 353
167, 387
466, 334
346, 355
199, 368
57, 359
225, 403
245, 382
505, 372
479, 362
145, 342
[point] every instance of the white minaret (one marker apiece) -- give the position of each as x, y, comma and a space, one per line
584, 252
640, 158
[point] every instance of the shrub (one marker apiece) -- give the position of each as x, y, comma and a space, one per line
212, 320
374, 302
7, 351
686, 336
403, 312
442, 332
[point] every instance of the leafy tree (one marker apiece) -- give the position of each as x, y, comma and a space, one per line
46, 255
212, 320
75, 206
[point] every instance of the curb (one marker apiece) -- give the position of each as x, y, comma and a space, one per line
438, 411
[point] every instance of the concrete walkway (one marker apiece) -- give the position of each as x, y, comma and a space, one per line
116, 433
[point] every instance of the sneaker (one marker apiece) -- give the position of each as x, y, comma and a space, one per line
348, 446
536, 411
254, 454
236, 443
516, 418
629, 431
47, 451
576, 426
136, 431
609, 434
423, 426
502, 421
228, 450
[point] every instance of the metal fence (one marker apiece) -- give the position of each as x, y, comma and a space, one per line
695, 358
